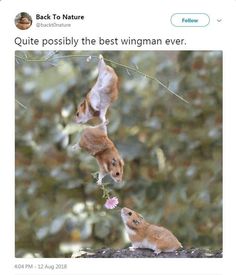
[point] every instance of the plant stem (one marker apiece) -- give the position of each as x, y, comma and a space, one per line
21, 104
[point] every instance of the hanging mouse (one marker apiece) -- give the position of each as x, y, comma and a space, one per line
100, 97
95, 141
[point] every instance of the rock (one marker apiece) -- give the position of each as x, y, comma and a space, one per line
146, 253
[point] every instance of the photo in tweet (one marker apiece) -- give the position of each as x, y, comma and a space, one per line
118, 149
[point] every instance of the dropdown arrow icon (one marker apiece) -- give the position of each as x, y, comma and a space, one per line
219, 19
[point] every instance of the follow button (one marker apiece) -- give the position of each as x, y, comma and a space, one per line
190, 19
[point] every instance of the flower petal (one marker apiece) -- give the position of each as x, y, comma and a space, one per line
111, 203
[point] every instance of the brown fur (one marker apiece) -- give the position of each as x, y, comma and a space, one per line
112, 87
100, 97
96, 142
142, 232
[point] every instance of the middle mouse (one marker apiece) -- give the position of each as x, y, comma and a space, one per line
95, 141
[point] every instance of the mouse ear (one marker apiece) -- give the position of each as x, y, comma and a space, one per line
121, 162
136, 221
82, 105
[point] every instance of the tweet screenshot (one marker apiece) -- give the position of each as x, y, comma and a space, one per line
112, 137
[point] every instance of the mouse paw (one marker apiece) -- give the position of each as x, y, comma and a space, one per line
157, 252
100, 57
106, 122
76, 146
99, 182
131, 248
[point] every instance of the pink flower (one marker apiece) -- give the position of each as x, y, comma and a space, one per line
111, 203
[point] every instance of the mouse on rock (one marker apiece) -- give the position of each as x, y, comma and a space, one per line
100, 97
145, 235
95, 141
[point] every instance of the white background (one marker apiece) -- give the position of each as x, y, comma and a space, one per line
140, 19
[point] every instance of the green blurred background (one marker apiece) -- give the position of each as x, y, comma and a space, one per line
172, 150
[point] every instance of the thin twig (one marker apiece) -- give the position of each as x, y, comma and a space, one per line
136, 70
147, 76
22, 105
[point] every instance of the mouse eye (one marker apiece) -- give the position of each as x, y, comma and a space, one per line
113, 162
130, 213
117, 173
77, 114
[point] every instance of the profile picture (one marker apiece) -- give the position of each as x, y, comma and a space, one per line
23, 21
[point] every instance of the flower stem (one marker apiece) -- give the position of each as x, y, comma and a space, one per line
105, 192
